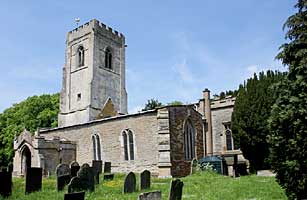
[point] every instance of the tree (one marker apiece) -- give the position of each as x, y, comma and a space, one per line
175, 103
152, 104
32, 113
288, 121
250, 115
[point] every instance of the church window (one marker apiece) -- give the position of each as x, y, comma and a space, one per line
128, 140
96, 147
80, 55
228, 139
189, 141
108, 58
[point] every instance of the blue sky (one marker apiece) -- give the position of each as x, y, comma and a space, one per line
175, 48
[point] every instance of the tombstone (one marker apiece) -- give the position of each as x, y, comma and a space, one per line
130, 183
74, 168
108, 177
194, 164
155, 195
176, 190
97, 165
87, 177
235, 164
107, 167
145, 180
75, 185
63, 176
33, 179
5, 184
74, 196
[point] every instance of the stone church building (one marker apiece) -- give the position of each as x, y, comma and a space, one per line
94, 123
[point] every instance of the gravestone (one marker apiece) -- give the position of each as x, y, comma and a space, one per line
5, 184
145, 180
194, 164
63, 176
176, 190
97, 165
74, 196
130, 183
108, 177
75, 185
86, 175
155, 195
235, 165
74, 168
33, 179
107, 167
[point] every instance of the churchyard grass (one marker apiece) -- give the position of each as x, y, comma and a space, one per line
205, 185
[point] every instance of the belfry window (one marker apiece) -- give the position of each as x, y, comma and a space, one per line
128, 140
189, 141
96, 147
108, 58
80, 55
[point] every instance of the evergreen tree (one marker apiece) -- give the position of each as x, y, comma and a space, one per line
152, 104
32, 113
288, 121
250, 115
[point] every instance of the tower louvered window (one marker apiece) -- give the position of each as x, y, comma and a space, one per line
80, 55
108, 58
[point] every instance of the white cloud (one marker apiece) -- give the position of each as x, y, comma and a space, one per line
183, 70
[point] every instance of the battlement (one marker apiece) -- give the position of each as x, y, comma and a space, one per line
227, 102
95, 25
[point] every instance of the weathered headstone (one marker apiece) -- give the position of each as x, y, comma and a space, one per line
155, 195
108, 177
107, 167
235, 164
86, 174
74, 168
74, 196
63, 176
97, 165
194, 164
33, 179
130, 183
75, 185
176, 190
145, 180
5, 184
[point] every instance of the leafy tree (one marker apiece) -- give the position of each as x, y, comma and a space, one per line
250, 115
32, 113
288, 121
175, 103
152, 104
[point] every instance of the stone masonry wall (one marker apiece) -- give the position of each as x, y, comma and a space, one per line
144, 128
178, 115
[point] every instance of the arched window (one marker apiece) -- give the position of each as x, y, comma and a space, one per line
96, 147
128, 144
80, 55
189, 141
108, 58
228, 139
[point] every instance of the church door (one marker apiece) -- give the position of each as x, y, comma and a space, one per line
25, 160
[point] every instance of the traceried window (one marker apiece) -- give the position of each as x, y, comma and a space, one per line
108, 58
96, 147
128, 140
189, 140
228, 139
80, 56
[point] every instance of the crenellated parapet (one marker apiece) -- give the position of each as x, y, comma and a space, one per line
222, 103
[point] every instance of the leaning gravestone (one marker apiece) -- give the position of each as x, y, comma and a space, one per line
5, 184
75, 185
74, 168
176, 190
107, 167
97, 166
194, 163
145, 180
86, 175
63, 176
130, 183
155, 195
33, 179
74, 196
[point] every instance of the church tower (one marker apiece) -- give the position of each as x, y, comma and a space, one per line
93, 75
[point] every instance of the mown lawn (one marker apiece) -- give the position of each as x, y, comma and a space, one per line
205, 185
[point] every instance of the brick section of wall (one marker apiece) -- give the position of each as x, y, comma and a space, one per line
178, 115
144, 128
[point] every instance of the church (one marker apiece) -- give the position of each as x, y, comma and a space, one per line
94, 123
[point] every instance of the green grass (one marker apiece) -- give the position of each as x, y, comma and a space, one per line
204, 185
